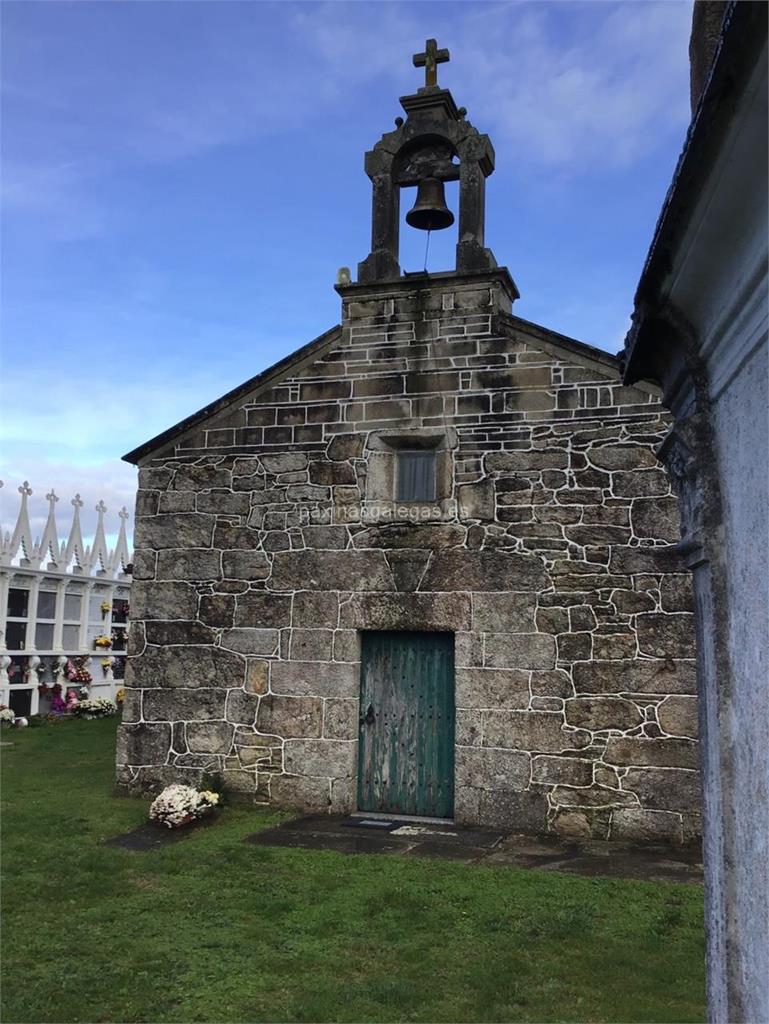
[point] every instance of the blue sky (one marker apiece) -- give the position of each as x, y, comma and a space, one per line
181, 181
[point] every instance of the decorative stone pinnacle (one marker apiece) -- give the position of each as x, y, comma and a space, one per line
77, 502
52, 496
429, 60
123, 513
101, 507
25, 490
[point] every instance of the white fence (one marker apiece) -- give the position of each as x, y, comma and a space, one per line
64, 608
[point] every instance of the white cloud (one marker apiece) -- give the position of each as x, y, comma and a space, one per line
57, 192
595, 93
598, 100
76, 447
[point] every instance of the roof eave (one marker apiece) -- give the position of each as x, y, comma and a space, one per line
743, 35
261, 380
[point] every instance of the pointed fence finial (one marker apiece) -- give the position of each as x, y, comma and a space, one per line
22, 535
75, 547
99, 553
120, 556
49, 545
49, 553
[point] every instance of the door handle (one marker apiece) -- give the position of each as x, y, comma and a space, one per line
369, 717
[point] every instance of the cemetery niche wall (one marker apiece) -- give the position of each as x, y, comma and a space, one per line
425, 565
64, 609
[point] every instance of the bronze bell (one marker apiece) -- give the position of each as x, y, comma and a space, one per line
429, 212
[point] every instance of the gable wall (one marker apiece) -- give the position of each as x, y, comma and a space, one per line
259, 557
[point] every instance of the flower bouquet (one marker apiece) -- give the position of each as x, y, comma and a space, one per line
180, 805
7, 716
120, 697
106, 608
77, 672
103, 642
98, 708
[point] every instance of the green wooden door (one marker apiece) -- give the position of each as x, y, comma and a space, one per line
406, 758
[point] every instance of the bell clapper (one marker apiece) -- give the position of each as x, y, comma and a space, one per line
427, 248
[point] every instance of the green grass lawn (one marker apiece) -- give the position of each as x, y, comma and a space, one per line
214, 929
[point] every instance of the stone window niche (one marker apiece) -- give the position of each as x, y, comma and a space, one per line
46, 620
410, 475
17, 618
414, 475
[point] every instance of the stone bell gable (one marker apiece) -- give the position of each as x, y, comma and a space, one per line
268, 537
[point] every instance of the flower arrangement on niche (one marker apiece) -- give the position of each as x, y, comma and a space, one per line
180, 805
106, 608
7, 717
103, 642
98, 708
120, 697
77, 672
58, 704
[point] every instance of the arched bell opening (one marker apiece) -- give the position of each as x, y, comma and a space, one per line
426, 172
440, 248
427, 156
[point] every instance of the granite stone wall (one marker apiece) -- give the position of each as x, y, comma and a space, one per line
267, 538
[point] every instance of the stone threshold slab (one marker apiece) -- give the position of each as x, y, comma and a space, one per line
446, 841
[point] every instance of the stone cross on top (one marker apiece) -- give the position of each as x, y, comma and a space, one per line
429, 60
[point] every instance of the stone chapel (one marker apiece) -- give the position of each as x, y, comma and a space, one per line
425, 565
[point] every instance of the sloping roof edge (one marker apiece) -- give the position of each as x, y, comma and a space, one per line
552, 341
273, 374
572, 345
264, 379
743, 34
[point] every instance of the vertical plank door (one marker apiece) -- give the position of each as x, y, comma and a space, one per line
406, 752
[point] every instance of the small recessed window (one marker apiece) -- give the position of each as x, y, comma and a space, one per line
70, 637
15, 636
18, 602
46, 605
415, 476
44, 636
